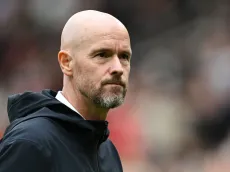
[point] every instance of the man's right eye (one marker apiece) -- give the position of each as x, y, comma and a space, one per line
102, 55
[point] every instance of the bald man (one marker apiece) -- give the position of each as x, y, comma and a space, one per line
67, 131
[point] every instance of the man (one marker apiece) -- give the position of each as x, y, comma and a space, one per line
67, 131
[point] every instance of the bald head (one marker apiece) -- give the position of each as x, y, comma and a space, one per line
95, 60
85, 24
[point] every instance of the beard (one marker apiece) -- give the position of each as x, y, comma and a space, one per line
104, 97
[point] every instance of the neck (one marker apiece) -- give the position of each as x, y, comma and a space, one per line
83, 105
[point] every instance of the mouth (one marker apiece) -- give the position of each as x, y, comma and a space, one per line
115, 84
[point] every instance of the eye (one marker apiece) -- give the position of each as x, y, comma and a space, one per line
125, 56
101, 54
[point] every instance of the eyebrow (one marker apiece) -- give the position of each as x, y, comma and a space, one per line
96, 50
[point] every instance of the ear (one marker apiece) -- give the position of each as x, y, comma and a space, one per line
65, 61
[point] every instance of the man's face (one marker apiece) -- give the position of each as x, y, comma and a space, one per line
101, 68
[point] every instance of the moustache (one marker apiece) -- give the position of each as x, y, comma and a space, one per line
114, 81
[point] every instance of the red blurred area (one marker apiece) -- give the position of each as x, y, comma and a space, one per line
125, 132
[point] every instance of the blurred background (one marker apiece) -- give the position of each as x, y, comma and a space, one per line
176, 117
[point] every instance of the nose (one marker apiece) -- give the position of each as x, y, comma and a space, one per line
116, 67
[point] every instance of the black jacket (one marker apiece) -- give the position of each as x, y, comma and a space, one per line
47, 136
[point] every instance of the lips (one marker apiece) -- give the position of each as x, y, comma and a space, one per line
115, 83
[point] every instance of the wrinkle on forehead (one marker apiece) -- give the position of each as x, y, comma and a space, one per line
85, 25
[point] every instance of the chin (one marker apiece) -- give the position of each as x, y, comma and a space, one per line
109, 101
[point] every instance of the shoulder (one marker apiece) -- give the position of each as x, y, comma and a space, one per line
109, 149
108, 146
21, 153
35, 130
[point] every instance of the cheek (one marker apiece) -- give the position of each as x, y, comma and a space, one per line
87, 77
127, 72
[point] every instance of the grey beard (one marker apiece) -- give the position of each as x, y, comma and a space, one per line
109, 102
103, 101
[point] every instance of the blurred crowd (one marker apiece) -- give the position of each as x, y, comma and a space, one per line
176, 117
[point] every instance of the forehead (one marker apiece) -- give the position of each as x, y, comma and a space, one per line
113, 41
110, 41
113, 36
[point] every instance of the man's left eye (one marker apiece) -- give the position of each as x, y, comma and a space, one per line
124, 56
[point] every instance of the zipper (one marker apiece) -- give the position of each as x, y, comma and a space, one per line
98, 143
98, 170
